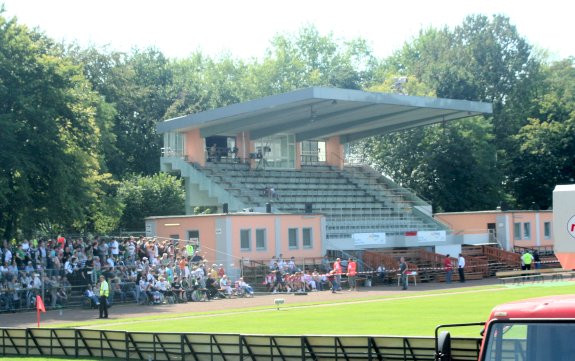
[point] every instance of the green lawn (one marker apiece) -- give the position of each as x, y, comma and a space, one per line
414, 314
409, 314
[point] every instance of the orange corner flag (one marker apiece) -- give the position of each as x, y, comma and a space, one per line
40, 304
39, 308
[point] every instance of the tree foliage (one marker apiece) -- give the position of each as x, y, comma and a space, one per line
546, 145
80, 150
158, 195
463, 165
50, 135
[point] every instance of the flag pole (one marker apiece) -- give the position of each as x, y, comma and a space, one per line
39, 308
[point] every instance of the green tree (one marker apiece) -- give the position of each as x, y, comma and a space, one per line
142, 196
546, 146
136, 88
483, 59
310, 59
50, 136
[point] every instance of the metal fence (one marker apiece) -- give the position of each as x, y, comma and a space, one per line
47, 342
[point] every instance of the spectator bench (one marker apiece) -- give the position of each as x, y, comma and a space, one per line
455, 276
534, 275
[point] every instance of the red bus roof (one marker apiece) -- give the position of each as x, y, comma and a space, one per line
541, 307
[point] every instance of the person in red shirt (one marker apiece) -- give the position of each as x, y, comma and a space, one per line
337, 274
448, 267
352, 274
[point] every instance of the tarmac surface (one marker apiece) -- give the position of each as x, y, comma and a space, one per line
53, 318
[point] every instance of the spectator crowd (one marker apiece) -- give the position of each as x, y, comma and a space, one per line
140, 269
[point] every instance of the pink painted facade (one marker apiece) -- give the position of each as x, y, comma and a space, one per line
508, 228
228, 238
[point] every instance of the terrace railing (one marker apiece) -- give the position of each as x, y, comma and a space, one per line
53, 342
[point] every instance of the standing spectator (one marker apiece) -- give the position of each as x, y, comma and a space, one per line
197, 258
279, 283
325, 267
331, 279
337, 271
381, 272
104, 293
460, 268
273, 264
448, 267
352, 274
131, 250
221, 272
403, 273
7, 254
281, 262
536, 259
115, 249
527, 259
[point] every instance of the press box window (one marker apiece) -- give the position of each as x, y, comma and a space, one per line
292, 238
245, 239
260, 239
526, 230
516, 231
547, 230
307, 236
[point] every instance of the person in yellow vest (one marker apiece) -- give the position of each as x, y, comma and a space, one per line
104, 293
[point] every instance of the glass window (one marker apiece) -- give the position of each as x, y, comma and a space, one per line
245, 239
527, 230
530, 341
260, 239
307, 238
547, 230
292, 238
516, 231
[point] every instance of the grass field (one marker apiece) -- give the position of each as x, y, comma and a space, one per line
404, 314
415, 314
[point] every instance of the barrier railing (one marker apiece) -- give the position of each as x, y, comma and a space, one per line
48, 342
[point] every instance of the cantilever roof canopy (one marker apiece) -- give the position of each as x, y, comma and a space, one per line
318, 113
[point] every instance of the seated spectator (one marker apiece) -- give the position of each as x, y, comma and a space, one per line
309, 282
246, 288
95, 302
61, 297
226, 286
211, 287
178, 290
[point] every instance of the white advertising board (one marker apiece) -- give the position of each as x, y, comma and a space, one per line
368, 239
431, 236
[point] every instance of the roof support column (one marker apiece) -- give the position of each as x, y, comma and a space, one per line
195, 147
334, 152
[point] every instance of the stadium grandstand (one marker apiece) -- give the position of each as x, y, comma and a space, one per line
286, 153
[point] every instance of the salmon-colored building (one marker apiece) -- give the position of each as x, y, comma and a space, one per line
230, 238
507, 228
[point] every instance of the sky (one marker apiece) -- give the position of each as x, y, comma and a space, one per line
244, 29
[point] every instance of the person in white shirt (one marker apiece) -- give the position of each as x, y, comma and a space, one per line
115, 248
225, 285
460, 268
245, 287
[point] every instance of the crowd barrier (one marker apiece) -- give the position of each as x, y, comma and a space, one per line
52, 342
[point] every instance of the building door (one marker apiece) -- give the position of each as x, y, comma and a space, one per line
492, 230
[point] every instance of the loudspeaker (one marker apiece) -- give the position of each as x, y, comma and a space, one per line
308, 208
225, 208
268, 207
